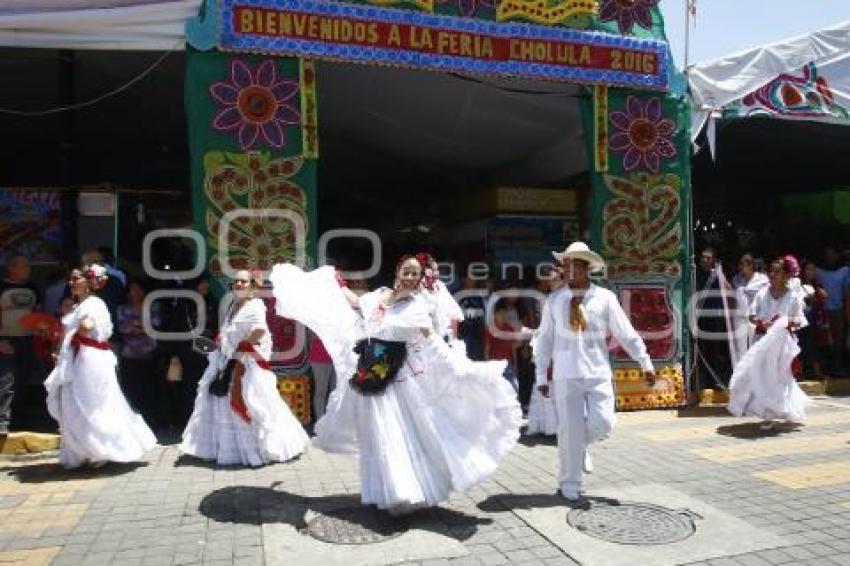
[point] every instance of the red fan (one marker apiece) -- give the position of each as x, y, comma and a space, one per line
46, 333
40, 323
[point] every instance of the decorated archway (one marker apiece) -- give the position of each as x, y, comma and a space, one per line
251, 101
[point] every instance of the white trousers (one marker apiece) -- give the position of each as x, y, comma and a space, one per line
585, 410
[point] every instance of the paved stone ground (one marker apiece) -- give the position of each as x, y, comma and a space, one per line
793, 482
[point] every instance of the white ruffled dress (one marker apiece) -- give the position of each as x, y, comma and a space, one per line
542, 416
216, 432
443, 425
83, 395
763, 384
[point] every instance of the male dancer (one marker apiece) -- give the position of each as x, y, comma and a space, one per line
576, 323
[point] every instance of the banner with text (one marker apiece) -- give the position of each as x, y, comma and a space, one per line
402, 38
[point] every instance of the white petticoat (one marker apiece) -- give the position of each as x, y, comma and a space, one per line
542, 416
216, 432
763, 385
444, 425
96, 423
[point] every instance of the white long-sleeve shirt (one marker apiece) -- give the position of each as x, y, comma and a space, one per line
584, 354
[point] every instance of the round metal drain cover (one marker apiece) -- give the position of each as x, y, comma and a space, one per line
356, 525
634, 523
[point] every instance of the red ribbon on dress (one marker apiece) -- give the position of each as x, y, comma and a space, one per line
79, 340
248, 348
237, 403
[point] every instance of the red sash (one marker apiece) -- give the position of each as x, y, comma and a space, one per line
248, 348
79, 340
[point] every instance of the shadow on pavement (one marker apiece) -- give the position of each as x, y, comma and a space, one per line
511, 502
42, 472
752, 431
538, 440
185, 460
261, 505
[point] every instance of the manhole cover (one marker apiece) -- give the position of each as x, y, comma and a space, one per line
356, 525
634, 523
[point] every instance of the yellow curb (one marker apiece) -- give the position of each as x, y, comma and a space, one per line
28, 443
812, 387
837, 386
710, 397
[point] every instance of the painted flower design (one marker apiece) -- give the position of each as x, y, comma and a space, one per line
254, 103
627, 12
253, 181
467, 8
642, 133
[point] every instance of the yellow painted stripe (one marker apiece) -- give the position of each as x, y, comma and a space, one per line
34, 557
815, 475
705, 431
17, 488
774, 447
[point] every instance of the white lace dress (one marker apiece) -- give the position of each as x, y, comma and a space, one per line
216, 432
443, 425
83, 395
763, 384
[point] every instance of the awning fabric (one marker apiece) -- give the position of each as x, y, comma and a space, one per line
96, 24
807, 77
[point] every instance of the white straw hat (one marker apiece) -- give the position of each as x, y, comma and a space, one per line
579, 250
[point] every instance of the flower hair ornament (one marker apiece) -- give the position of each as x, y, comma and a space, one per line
96, 274
791, 265
429, 275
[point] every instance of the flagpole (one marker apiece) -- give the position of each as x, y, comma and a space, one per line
687, 34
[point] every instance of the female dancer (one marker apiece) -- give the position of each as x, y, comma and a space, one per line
83, 394
440, 423
239, 416
542, 415
763, 382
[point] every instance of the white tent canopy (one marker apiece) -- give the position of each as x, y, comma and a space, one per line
140, 25
717, 84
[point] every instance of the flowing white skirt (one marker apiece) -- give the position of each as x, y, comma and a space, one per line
95, 420
763, 385
216, 432
444, 425
542, 416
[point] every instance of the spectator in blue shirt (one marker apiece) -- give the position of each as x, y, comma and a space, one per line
835, 279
